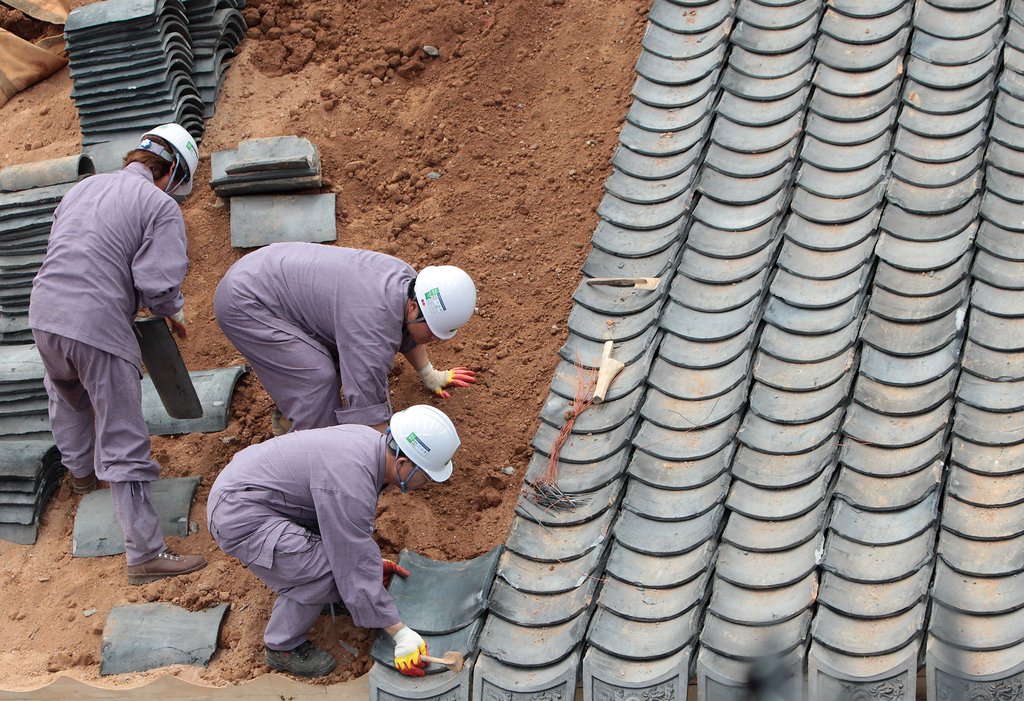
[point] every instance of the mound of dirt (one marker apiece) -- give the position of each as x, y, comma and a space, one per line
463, 132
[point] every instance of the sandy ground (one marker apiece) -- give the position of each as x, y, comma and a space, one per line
519, 114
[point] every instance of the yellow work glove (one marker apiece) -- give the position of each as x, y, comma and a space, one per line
437, 380
408, 648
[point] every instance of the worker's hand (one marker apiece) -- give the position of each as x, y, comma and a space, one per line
408, 648
392, 568
177, 320
437, 380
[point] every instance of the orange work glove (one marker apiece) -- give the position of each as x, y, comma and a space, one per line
437, 380
408, 648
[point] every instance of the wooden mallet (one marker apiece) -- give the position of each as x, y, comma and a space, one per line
452, 660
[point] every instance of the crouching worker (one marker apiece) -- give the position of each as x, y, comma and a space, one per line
117, 243
298, 511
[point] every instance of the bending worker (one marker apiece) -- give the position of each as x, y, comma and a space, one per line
117, 243
311, 319
298, 511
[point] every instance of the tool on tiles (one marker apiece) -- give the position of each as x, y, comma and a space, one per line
606, 373
170, 377
640, 283
452, 660
544, 491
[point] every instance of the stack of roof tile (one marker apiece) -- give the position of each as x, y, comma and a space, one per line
29, 194
30, 471
216, 28
23, 400
131, 63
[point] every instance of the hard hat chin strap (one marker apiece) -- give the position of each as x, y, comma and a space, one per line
403, 484
180, 173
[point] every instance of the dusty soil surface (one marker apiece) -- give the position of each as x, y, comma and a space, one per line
519, 114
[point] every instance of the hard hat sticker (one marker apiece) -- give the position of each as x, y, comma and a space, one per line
434, 301
414, 439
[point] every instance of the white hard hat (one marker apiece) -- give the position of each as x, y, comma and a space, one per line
428, 438
447, 298
185, 151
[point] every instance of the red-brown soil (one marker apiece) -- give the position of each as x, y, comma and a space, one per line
519, 114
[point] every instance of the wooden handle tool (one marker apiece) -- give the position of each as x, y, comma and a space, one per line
640, 283
452, 660
607, 371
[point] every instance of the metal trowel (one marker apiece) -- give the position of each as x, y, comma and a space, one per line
163, 361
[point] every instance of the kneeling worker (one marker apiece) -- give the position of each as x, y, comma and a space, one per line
298, 511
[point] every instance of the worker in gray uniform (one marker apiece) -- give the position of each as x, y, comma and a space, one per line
298, 512
117, 244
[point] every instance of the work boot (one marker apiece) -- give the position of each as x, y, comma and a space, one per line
279, 423
166, 564
304, 661
83, 485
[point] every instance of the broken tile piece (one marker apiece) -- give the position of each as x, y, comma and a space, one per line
146, 636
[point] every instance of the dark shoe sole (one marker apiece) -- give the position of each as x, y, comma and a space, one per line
137, 579
307, 675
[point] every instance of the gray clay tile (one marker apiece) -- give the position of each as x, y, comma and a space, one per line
764, 606
579, 477
866, 8
895, 307
616, 301
709, 326
737, 218
801, 376
259, 220
497, 677
767, 90
955, 52
629, 243
643, 217
833, 185
998, 333
755, 642
543, 544
950, 77
774, 41
744, 139
865, 30
602, 327
818, 294
1004, 158
843, 55
679, 475
929, 226
844, 158
685, 415
874, 460
867, 637
766, 570
601, 264
576, 507
756, 113
702, 384
985, 394
776, 15
97, 532
587, 352
214, 389
829, 211
545, 578
670, 444
1008, 108
873, 600
875, 528
641, 640
566, 379
912, 339
643, 603
900, 401
670, 143
923, 256
878, 564
749, 165
705, 297
982, 522
682, 47
816, 236
978, 595
531, 647
653, 167
774, 536
723, 678
1009, 186
596, 419
664, 70
582, 448
612, 675
666, 537
960, 672
936, 174
769, 67
887, 493
665, 505
977, 632
988, 460
1005, 244
696, 355
982, 558
683, 19
741, 191
660, 119
784, 407
536, 610
860, 83
922, 283
1002, 212
1012, 83
146, 636
778, 504
812, 321
669, 96
781, 471
993, 365
934, 200
714, 243
797, 348
660, 570
641, 191
840, 132
929, 150
957, 25
939, 126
